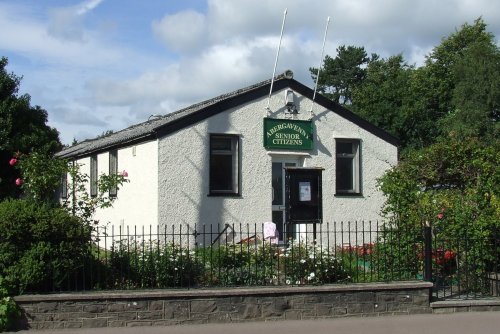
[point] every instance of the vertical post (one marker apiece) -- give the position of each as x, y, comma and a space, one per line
276, 61
319, 67
427, 252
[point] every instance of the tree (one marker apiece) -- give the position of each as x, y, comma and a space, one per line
456, 90
23, 128
447, 92
440, 62
453, 186
476, 95
340, 75
385, 96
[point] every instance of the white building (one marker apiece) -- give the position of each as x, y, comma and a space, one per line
222, 161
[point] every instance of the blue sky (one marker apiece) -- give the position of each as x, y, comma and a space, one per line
98, 65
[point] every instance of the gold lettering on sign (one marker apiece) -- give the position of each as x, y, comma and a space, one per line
283, 126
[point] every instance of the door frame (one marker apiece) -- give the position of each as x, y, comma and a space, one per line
292, 161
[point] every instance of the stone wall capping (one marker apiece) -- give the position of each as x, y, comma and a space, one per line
466, 303
220, 292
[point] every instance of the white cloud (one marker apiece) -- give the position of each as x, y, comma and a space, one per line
77, 115
183, 31
86, 6
66, 23
78, 69
32, 40
214, 71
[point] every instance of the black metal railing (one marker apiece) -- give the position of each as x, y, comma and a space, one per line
180, 256
241, 255
466, 267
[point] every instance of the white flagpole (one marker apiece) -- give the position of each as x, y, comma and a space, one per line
276, 62
319, 67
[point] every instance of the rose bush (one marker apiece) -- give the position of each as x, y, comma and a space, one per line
45, 241
453, 186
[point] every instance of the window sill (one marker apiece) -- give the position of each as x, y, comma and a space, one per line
224, 195
339, 194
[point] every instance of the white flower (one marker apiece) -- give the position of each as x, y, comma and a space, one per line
302, 261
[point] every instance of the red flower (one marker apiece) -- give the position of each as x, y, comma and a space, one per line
19, 182
12, 161
124, 173
449, 255
440, 215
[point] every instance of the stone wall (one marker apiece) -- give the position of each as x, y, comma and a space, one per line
175, 307
466, 305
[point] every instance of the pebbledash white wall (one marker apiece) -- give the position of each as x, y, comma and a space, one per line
183, 170
136, 205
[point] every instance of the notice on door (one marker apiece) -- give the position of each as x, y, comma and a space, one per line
304, 191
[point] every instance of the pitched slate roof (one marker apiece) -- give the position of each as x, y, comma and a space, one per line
169, 123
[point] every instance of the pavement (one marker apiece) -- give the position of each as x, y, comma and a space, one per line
454, 323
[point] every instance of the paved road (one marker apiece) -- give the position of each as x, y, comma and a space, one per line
457, 323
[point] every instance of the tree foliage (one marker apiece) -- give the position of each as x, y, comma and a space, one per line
385, 97
455, 90
340, 75
446, 114
23, 128
451, 185
476, 95
441, 62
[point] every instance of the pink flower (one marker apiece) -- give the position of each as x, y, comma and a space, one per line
12, 161
19, 182
440, 215
124, 173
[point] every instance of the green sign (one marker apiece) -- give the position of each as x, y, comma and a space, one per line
288, 134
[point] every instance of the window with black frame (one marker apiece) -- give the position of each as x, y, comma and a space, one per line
113, 170
93, 175
348, 167
64, 186
224, 165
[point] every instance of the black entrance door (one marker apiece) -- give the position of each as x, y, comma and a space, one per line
303, 195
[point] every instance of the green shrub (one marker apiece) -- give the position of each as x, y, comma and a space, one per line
453, 186
153, 264
264, 264
239, 264
309, 264
9, 311
40, 246
149, 264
